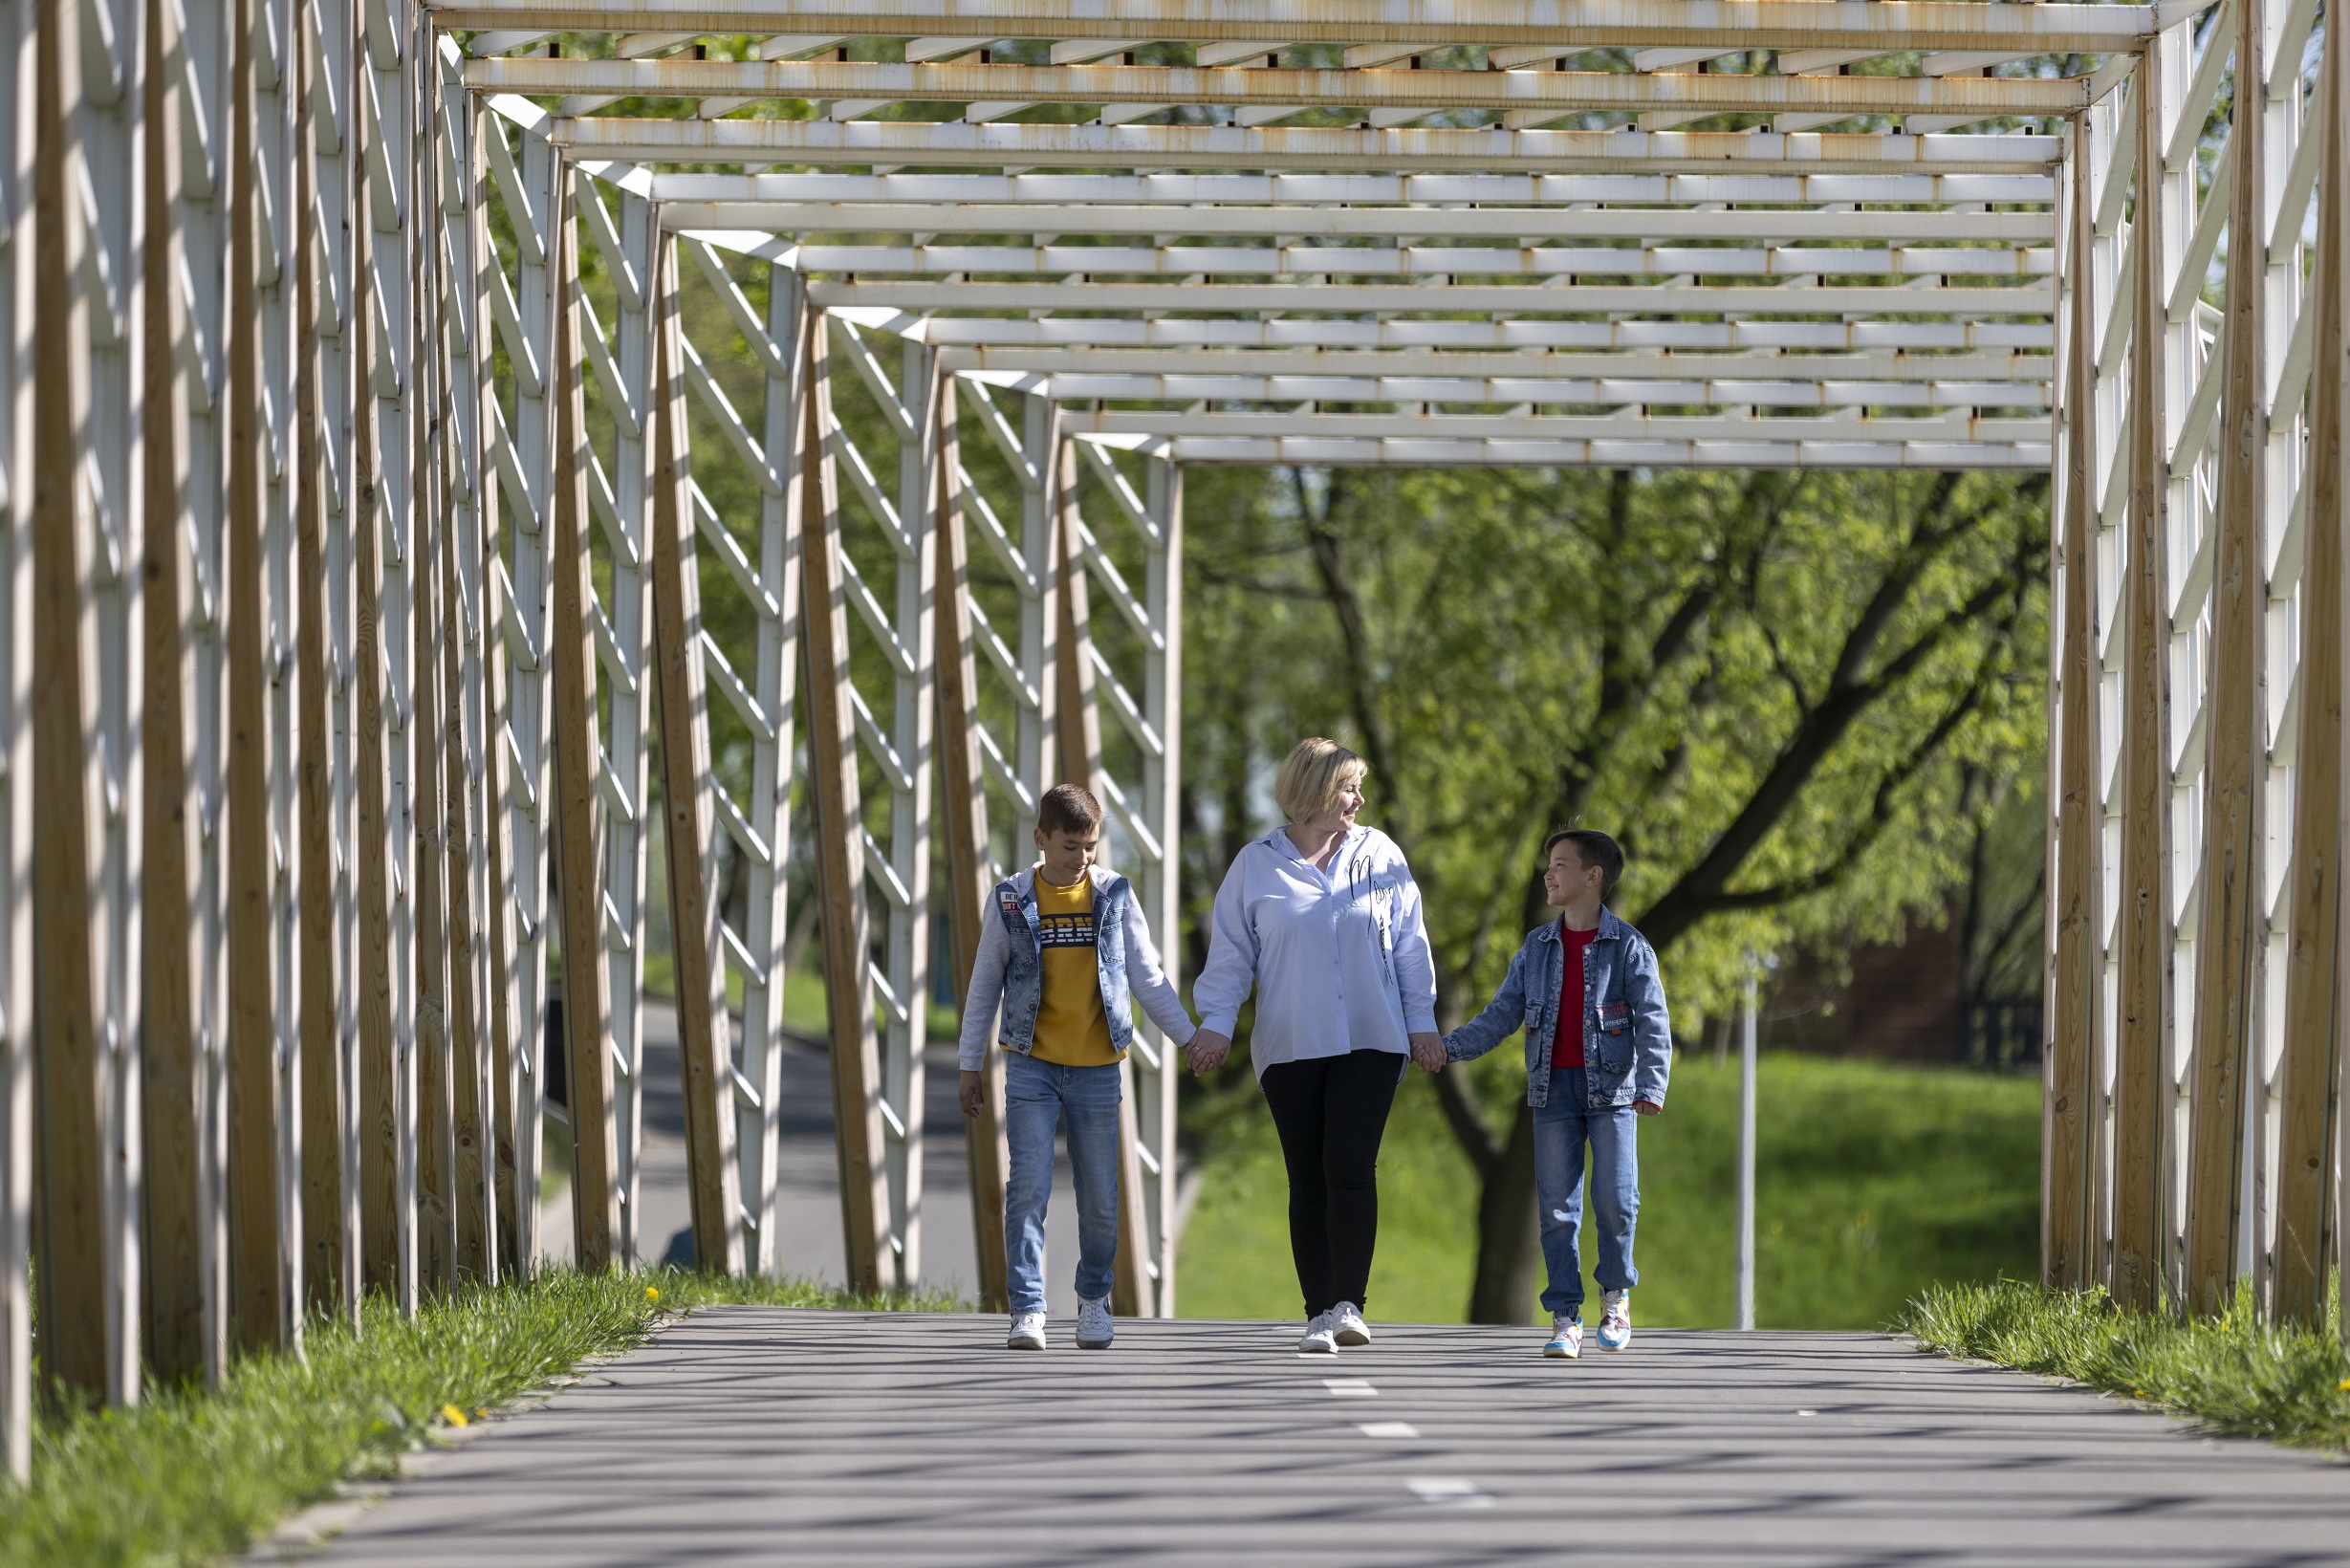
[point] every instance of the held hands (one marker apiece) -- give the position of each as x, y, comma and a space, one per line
1206, 1052
1428, 1051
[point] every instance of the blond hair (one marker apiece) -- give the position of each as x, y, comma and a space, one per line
1312, 774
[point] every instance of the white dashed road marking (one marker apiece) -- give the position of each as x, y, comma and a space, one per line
1451, 1492
1359, 1388
1387, 1428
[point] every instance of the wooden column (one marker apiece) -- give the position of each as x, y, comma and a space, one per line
2228, 950
963, 817
2068, 1227
1078, 731
436, 1156
839, 827
705, 1060
76, 1273
2308, 1237
382, 1227
329, 1276
2141, 1046
571, 650
183, 1338
258, 1318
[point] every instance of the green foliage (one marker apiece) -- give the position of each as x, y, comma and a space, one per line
1772, 687
2233, 1375
1872, 1182
191, 1475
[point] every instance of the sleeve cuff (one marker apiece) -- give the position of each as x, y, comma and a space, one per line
1420, 1023
1222, 1023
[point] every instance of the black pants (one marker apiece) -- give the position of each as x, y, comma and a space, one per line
1331, 1112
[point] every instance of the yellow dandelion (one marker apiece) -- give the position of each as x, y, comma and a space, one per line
2343, 1386
453, 1416
651, 1294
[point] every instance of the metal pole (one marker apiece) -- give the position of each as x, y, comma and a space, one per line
1746, 1159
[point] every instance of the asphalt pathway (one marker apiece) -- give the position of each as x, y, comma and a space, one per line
760, 1435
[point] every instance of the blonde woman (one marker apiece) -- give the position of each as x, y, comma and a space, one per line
1321, 917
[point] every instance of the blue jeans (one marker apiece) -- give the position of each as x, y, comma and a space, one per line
1037, 1095
1561, 1128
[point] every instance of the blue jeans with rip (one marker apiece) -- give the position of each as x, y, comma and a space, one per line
1562, 1128
1038, 1097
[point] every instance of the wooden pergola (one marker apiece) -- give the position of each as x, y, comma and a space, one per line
391, 383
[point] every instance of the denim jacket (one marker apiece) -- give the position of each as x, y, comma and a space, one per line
1627, 1036
1009, 967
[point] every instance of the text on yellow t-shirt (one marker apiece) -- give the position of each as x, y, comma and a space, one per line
1072, 1030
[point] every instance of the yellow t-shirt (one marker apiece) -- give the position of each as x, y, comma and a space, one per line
1071, 1031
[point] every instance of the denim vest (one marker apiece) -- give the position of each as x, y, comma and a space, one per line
1024, 968
1627, 1036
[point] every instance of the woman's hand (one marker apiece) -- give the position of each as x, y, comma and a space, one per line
974, 1092
1428, 1051
1206, 1052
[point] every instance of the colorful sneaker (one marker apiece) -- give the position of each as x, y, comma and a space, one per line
1346, 1324
1095, 1328
1566, 1337
1319, 1336
1027, 1331
1616, 1320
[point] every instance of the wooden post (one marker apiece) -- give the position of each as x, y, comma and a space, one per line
330, 1281
2068, 1227
706, 1062
182, 1317
2142, 1046
436, 1156
78, 1271
2308, 1237
19, 38
2228, 948
1078, 731
839, 827
571, 649
258, 1318
963, 814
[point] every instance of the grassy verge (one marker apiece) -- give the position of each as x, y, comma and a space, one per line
1872, 1181
2233, 1374
192, 1475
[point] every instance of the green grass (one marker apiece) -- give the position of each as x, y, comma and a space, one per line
2233, 1375
191, 1475
1873, 1182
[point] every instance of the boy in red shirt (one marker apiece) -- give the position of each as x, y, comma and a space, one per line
1598, 1048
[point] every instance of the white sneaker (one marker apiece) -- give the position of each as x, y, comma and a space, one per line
1615, 1319
1095, 1328
1566, 1337
1027, 1331
1347, 1326
1319, 1335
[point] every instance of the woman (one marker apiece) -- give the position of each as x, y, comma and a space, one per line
1322, 918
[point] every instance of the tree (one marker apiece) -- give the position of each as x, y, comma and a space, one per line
1782, 692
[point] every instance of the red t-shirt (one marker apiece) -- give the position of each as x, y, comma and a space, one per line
1567, 1048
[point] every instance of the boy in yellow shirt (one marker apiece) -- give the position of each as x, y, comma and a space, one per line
1062, 943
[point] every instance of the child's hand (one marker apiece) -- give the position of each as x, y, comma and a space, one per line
1645, 1107
1206, 1052
1428, 1051
974, 1092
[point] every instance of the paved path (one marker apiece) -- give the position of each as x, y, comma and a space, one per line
753, 1435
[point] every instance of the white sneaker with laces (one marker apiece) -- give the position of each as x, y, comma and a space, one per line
1346, 1324
1318, 1338
1566, 1336
1095, 1328
1027, 1331
1615, 1319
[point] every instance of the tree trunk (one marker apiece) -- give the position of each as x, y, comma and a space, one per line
1507, 1246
